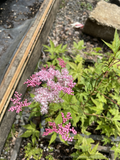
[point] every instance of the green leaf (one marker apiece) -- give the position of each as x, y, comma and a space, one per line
52, 44
32, 95
33, 125
58, 119
28, 126
79, 46
53, 137
108, 44
117, 116
93, 151
116, 150
33, 139
99, 106
97, 49
116, 42
74, 118
28, 133
97, 156
83, 156
37, 133
117, 55
78, 58
73, 65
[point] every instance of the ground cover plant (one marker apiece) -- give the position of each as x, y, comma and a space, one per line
75, 98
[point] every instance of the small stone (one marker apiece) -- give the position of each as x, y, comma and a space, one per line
78, 18
95, 39
58, 39
56, 150
16, 122
77, 32
5, 153
18, 117
41, 145
67, 150
60, 19
103, 21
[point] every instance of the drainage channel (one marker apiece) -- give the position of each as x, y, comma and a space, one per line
23, 62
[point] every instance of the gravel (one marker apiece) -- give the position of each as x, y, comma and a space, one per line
62, 32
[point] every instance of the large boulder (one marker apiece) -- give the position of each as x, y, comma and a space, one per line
103, 21
117, 2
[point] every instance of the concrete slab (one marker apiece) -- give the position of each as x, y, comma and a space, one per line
103, 21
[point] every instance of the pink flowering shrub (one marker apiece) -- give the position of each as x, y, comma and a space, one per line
50, 93
61, 63
55, 80
95, 99
18, 105
62, 129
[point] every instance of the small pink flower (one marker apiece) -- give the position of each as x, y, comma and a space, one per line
62, 63
63, 131
18, 105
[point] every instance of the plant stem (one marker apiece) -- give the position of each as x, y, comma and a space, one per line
97, 116
108, 98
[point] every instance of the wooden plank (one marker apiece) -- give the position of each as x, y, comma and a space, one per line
24, 71
10, 90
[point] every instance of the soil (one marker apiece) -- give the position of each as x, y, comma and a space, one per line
15, 18
9, 14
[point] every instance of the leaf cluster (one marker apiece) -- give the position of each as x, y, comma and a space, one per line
95, 103
96, 95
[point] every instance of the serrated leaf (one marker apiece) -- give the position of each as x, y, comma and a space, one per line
117, 55
97, 49
58, 119
108, 44
73, 65
53, 137
32, 95
79, 67
83, 156
37, 133
33, 125
97, 156
74, 118
28, 126
116, 42
33, 139
52, 44
99, 106
93, 151
94, 53
28, 133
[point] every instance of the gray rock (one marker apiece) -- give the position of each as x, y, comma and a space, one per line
18, 117
103, 21
117, 2
16, 122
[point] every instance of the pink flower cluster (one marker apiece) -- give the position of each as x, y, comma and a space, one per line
63, 131
33, 81
50, 93
61, 63
18, 105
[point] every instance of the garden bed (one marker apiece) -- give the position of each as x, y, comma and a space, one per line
63, 32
